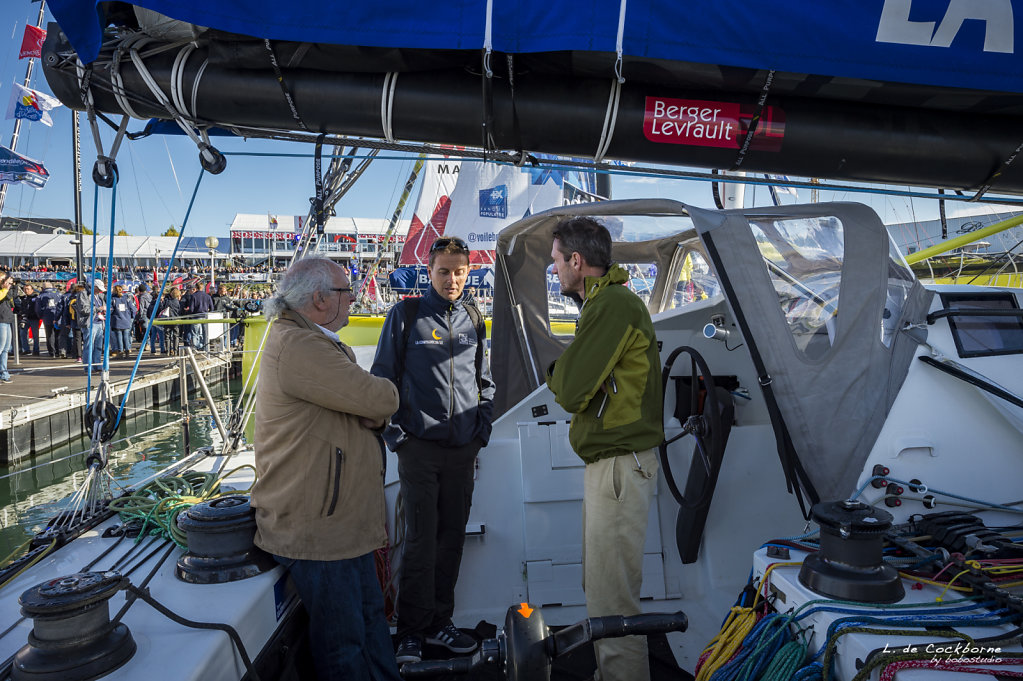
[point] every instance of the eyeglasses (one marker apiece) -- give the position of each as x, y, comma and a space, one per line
347, 289
443, 242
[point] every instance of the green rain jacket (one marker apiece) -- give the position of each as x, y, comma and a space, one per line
609, 377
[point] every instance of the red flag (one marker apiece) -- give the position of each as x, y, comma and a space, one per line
32, 43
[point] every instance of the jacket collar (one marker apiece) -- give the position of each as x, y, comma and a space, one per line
435, 300
616, 274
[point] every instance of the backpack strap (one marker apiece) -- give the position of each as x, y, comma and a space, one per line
410, 306
481, 337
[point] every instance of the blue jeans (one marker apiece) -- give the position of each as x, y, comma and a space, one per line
120, 340
96, 334
6, 335
348, 634
156, 335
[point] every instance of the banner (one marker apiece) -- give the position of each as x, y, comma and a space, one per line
31, 104
416, 280
247, 276
489, 197
17, 168
32, 42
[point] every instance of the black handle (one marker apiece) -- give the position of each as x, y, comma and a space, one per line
459, 665
614, 626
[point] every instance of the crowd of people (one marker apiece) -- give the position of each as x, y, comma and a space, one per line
52, 319
322, 421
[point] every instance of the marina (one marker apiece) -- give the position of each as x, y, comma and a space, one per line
815, 232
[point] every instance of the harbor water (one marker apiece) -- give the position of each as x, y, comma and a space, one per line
34, 491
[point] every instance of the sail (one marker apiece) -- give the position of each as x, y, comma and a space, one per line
431, 214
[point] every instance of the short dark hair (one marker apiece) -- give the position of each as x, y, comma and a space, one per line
587, 237
449, 244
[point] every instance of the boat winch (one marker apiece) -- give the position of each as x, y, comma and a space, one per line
850, 564
72, 637
220, 542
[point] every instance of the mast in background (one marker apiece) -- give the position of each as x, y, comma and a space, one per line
17, 122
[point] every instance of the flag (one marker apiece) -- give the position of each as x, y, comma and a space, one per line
17, 168
272, 220
32, 42
31, 104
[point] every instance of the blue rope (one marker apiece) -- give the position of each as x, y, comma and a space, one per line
110, 281
156, 303
87, 360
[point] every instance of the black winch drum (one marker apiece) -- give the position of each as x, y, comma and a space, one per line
850, 564
72, 637
220, 549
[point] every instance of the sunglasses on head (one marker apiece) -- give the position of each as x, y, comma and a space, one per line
444, 242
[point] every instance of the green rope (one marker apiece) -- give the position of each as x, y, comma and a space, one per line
158, 504
785, 663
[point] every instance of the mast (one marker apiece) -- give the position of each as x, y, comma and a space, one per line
17, 122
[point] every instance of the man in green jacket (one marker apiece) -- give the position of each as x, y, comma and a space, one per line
609, 379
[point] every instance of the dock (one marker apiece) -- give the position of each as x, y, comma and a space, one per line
44, 405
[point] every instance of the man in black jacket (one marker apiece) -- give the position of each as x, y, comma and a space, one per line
28, 320
432, 349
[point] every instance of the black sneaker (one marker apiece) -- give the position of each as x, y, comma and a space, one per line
451, 638
409, 650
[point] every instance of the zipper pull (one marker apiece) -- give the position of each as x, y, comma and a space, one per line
611, 382
603, 406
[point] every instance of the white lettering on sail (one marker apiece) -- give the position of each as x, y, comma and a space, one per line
895, 25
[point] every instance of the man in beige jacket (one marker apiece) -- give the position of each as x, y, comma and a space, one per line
319, 494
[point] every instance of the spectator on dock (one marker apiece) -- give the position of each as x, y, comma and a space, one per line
171, 309
94, 324
80, 307
8, 291
28, 320
198, 304
319, 493
48, 310
122, 315
145, 299
226, 305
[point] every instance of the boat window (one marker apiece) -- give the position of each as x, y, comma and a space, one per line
900, 280
696, 281
804, 259
985, 336
562, 312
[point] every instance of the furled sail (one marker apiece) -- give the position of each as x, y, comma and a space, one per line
887, 91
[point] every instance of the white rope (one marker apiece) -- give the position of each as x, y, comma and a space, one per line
195, 87
488, 39
177, 77
619, 45
154, 87
610, 119
115, 72
387, 105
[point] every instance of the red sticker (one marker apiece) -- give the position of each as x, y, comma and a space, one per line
703, 123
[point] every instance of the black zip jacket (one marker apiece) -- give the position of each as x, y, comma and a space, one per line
441, 399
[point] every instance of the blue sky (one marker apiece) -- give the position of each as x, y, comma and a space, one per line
157, 174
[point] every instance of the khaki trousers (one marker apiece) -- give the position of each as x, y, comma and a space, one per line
616, 504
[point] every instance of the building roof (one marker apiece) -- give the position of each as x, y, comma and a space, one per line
335, 225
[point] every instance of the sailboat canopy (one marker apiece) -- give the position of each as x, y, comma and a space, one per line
960, 43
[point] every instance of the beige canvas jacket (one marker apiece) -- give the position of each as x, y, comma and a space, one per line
319, 494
